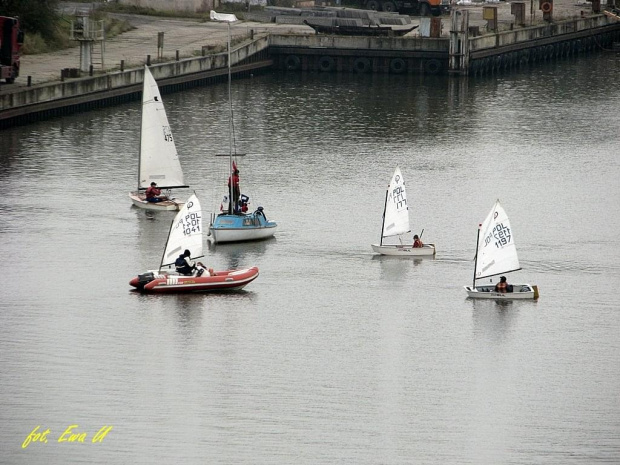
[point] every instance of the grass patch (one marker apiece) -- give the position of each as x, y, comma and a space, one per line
35, 44
238, 8
113, 7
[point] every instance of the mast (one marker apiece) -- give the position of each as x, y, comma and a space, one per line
230, 129
228, 18
473, 286
166, 245
141, 123
387, 191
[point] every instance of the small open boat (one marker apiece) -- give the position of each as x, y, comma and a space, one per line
396, 222
370, 30
496, 254
186, 234
158, 160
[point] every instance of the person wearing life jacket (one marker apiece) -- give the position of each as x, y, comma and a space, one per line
186, 266
417, 242
502, 285
243, 203
153, 194
233, 188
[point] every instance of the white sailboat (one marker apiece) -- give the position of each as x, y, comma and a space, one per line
158, 159
186, 234
234, 224
496, 254
396, 222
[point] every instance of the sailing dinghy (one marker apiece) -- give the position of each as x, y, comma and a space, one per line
186, 234
158, 160
233, 224
396, 222
496, 254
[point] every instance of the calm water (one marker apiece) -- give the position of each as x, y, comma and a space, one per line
333, 355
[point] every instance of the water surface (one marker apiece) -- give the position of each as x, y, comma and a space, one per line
334, 354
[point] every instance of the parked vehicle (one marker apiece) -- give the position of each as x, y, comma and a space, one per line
11, 41
413, 7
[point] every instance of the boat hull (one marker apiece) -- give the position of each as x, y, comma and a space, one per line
405, 251
164, 282
139, 200
240, 228
521, 292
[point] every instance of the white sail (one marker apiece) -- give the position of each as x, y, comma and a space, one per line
497, 252
185, 232
396, 219
159, 161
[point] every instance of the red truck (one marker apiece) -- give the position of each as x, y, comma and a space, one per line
11, 41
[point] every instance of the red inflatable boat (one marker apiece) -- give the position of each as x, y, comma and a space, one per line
162, 281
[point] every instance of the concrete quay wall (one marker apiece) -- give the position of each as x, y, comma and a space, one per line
503, 51
586, 26
359, 54
74, 94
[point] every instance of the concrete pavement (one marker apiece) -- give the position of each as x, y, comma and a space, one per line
185, 35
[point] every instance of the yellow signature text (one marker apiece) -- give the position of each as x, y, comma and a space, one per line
70, 434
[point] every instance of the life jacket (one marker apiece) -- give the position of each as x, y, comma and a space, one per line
180, 262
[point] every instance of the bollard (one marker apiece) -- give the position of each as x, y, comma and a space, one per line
29, 81
177, 55
251, 34
90, 70
122, 66
148, 60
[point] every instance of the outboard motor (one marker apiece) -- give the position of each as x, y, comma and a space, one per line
144, 279
259, 211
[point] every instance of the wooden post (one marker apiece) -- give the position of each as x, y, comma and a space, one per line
160, 45
518, 10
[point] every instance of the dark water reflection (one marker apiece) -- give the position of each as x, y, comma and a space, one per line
333, 355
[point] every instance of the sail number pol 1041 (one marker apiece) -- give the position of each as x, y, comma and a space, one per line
191, 223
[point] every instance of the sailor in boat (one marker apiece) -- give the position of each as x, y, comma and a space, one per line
153, 194
243, 203
233, 186
417, 242
186, 266
502, 285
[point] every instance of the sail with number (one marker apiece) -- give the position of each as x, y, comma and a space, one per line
159, 161
185, 232
497, 253
396, 216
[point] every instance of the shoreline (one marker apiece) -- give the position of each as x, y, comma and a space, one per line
187, 37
